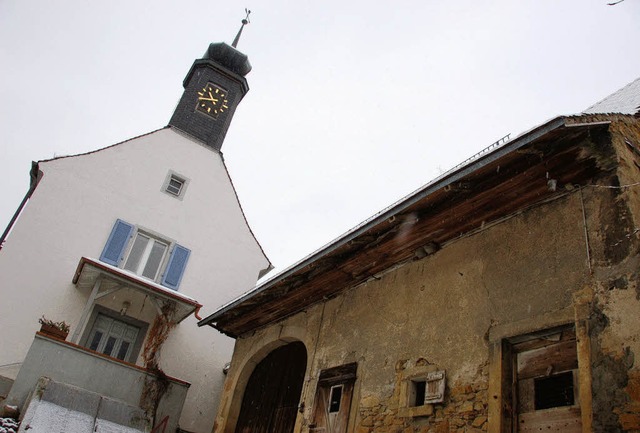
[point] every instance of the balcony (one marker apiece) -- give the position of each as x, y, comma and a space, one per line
154, 395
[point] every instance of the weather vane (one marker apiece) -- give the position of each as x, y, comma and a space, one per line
245, 21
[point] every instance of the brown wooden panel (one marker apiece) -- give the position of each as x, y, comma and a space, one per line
508, 389
546, 339
551, 359
321, 410
526, 396
272, 394
341, 421
343, 373
558, 420
337, 422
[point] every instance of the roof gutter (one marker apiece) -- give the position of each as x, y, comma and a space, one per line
422, 192
35, 175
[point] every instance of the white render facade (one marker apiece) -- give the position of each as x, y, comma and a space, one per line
68, 221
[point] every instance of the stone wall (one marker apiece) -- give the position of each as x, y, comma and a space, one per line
463, 411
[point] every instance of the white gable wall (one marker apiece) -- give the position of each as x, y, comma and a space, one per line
71, 215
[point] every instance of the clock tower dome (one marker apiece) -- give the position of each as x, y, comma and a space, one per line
213, 88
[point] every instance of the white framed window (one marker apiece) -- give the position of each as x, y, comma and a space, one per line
113, 337
146, 254
335, 398
113, 334
175, 184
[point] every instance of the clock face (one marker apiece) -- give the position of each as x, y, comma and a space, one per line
212, 100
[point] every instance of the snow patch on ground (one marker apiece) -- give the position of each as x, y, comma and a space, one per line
8, 425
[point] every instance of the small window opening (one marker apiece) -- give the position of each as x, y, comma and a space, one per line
175, 185
554, 391
335, 398
418, 392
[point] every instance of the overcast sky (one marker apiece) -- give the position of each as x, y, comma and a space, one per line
353, 104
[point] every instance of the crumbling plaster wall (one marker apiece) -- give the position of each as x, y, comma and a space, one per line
438, 311
444, 311
615, 293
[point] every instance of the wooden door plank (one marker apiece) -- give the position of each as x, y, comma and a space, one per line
558, 420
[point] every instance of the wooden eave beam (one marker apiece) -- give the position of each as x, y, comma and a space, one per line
490, 193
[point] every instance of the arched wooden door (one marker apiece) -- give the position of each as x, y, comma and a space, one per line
272, 395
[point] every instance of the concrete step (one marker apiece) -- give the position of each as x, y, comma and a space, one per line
55, 406
5, 386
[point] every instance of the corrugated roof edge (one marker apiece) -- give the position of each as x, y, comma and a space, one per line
437, 183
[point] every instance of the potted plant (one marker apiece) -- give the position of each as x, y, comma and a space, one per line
58, 330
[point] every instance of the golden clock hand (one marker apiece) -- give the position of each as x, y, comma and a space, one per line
202, 98
212, 98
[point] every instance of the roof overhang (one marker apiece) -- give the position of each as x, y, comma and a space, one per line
90, 270
497, 182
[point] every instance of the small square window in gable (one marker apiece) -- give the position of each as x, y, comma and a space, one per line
175, 185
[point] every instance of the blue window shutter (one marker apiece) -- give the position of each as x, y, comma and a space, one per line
175, 267
118, 240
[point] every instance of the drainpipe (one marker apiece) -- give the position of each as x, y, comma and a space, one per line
35, 175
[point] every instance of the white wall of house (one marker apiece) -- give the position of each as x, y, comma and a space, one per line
71, 215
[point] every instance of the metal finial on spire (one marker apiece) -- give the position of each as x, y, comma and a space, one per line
244, 22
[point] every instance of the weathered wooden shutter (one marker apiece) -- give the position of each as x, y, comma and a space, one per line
175, 267
325, 419
117, 243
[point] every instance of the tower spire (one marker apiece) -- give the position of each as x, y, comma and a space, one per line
245, 21
213, 88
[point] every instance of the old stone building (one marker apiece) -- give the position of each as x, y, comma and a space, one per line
503, 296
